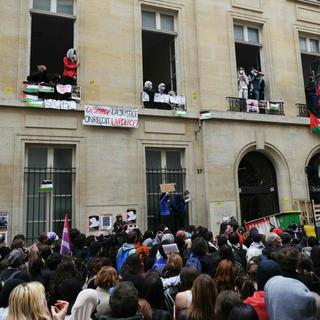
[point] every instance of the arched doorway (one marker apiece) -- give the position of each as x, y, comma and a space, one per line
257, 186
313, 172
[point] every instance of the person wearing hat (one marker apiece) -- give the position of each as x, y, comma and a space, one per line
287, 298
15, 270
265, 271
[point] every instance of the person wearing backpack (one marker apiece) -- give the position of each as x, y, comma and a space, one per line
125, 250
239, 250
199, 258
15, 269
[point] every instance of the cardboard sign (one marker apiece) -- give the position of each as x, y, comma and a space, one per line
107, 116
168, 187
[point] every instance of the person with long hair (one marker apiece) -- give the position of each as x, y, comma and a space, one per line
27, 301
226, 300
204, 296
184, 297
225, 276
154, 294
106, 279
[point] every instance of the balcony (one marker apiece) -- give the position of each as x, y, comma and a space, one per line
255, 106
302, 109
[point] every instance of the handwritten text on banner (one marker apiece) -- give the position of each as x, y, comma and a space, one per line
110, 116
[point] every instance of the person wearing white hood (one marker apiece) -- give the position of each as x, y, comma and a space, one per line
243, 83
289, 299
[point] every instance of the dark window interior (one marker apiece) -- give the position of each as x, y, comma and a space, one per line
51, 37
157, 50
247, 56
307, 60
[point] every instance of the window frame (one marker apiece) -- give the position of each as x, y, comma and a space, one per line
245, 34
53, 10
163, 155
49, 204
158, 14
308, 38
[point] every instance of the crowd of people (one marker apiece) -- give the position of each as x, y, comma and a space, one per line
236, 275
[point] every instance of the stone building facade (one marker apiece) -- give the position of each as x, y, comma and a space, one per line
199, 46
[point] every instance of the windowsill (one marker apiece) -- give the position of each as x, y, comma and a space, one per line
215, 114
49, 13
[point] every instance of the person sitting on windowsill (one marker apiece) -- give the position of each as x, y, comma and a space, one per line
40, 75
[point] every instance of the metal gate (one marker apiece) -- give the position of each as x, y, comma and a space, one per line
45, 211
154, 178
257, 186
313, 173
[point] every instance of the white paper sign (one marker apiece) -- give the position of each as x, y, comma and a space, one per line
60, 104
108, 116
170, 248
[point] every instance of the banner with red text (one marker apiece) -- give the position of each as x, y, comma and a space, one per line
108, 116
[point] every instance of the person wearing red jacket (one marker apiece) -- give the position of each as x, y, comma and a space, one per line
266, 270
70, 65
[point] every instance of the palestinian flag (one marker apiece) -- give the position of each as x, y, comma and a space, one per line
30, 88
314, 124
46, 89
46, 186
34, 103
29, 97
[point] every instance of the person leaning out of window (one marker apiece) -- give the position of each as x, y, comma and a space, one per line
70, 64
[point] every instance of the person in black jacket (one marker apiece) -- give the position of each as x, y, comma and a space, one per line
40, 75
15, 270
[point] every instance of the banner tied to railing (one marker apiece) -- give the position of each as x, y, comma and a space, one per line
108, 116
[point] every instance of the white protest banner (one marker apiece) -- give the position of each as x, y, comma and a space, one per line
108, 116
60, 104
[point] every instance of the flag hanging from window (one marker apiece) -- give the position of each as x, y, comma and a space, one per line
46, 186
65, 239
314, 123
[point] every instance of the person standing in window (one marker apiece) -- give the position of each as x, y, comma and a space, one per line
70, 65
243, 83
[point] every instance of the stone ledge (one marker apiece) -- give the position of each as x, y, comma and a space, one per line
215, 114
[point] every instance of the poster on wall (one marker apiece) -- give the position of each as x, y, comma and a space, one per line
3, 220
106, 222
131, 216
94, 223
4, 236
108, 116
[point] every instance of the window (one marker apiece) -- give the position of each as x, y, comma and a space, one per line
51, 35
310, 52
54, 6
248, 46
309, 45
163, 166
159, 49
46, 210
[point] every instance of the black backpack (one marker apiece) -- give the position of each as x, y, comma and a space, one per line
240, 255
4, 279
